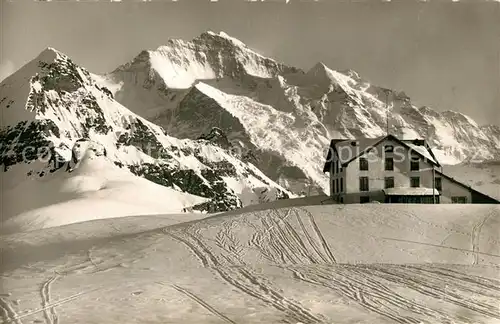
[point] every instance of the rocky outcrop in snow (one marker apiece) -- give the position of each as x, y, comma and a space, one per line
55, 111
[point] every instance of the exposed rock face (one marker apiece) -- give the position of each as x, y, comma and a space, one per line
56, 113
281, 114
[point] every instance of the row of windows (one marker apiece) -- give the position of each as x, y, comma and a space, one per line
389, 183
421, 200
338, 185
389, 164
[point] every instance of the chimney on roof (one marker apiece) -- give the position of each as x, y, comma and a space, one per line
354, 143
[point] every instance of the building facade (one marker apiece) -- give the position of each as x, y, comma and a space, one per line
390, 170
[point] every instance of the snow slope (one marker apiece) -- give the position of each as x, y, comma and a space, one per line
271, 130
189, 87
95, 189
316, 264
484, 176
51, 108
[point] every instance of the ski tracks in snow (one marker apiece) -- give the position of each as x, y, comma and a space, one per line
368, 293
244, 279
302, 249
320, 236
49, 312
16, 318
428, 283
281, 243
203, 303
9, 315
476, 231
367, 285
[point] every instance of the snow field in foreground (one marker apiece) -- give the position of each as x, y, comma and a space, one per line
314, 264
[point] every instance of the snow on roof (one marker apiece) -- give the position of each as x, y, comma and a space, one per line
422, 150
350, 149
409, 191
347, 151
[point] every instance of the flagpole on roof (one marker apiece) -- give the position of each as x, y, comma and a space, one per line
387, 110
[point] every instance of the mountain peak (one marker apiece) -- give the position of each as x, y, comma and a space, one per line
319, 70
210, 56
222, 35
325, 75
46, 58
52, 50
50, 54
319, 66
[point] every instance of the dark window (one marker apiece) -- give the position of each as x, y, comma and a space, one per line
389, 164
389, 182
336, 168
363, 184
414, 163
363, 164
458, 200
341, 184
415, 182
364, 199
341, 200
389, 148
337, 185
439, 184
334, 189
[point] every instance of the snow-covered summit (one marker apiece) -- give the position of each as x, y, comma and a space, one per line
222, 34
273, 110
50, 54
178, 64
51, 106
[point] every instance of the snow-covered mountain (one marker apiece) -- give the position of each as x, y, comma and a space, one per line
54, 111
281, 115
215, 119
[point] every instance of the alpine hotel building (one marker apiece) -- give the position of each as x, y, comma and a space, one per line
391, 170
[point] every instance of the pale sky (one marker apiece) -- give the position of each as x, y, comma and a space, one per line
444, 55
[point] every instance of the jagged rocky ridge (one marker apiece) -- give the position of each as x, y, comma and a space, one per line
51, 104
281, 115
